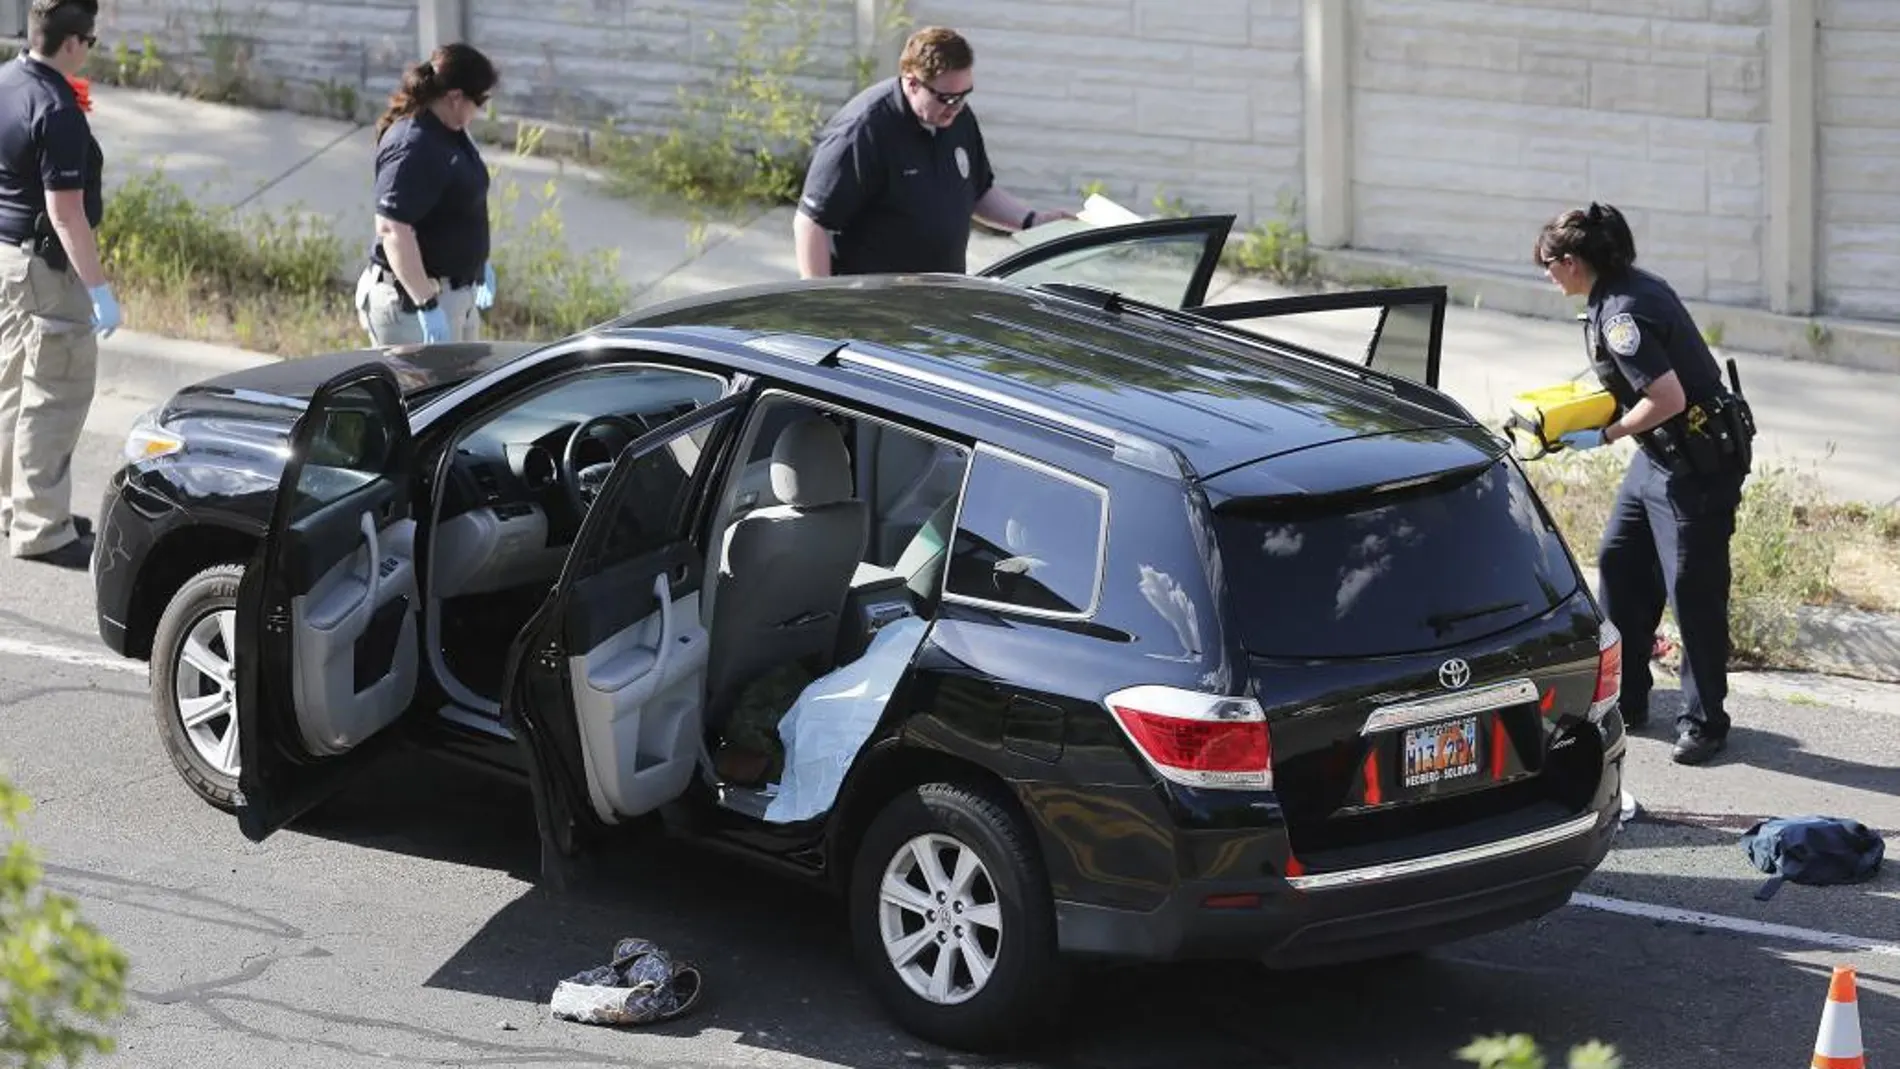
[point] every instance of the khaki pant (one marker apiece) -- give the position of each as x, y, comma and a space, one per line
49, 359
379, 309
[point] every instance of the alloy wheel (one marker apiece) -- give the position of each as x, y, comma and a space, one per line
940, 920
204, 678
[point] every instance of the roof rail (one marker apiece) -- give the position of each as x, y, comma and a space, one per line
1131, 449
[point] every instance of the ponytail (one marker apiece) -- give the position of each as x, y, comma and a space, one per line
451, 67
1598, 235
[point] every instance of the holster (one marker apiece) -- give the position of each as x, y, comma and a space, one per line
46, 243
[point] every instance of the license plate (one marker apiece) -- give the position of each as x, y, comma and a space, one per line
1443, 752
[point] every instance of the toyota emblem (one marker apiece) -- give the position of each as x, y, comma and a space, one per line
1454, 673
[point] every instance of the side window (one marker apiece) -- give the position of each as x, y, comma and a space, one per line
348, 451
653, 509
1029, 537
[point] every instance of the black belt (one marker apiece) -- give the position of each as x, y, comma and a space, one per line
384, 274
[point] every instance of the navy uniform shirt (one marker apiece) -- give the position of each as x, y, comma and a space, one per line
897, 196
1637, 320
433, 178
46, 145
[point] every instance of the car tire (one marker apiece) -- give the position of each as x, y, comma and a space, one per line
1008, 886
201, 605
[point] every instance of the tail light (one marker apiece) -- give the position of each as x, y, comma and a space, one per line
1609, 671
1196, 739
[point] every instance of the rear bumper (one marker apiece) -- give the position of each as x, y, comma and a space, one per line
1360, 913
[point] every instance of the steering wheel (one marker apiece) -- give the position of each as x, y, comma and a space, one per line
583, 482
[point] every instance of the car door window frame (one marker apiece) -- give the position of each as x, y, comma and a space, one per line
1228, 315
1100, 576
1213, 228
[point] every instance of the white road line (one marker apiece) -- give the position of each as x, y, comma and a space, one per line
1740, 925
79, 658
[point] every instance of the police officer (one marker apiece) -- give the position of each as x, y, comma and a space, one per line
428, 271
899, 171
54, 299
1669, 532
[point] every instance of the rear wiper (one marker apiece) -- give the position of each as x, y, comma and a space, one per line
1441, 622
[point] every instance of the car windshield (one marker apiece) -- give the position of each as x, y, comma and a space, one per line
1413, 570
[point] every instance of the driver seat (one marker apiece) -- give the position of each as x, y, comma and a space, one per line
785, 570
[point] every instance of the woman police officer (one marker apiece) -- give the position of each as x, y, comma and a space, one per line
429, 267
1669, 531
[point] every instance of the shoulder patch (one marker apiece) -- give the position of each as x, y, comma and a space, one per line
1622, 334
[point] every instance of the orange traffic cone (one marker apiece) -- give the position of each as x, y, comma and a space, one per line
1838, 1044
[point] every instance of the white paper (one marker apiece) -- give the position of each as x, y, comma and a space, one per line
834, 717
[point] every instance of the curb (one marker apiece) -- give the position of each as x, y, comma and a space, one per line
1830, 640
150, 367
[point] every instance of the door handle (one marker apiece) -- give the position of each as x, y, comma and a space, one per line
374, 571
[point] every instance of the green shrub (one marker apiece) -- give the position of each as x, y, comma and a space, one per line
58, 975
1521, 1052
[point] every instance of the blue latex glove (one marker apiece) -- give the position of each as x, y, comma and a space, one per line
105, 310
485, 293
1582, 439
435, 325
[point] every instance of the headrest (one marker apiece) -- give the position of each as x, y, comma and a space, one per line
810, 465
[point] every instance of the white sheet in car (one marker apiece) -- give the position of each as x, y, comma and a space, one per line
834, 717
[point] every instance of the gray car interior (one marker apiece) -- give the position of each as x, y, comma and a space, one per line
808, 532
785, 569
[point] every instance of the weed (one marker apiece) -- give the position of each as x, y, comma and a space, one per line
1782, 556
1712, 335
748, 138
283, 283
1521, 1052
1277, 249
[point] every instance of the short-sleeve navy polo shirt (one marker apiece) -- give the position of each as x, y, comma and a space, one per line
898, 197
46, 145
433, 179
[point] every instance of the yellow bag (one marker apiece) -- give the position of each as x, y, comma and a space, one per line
1539, 417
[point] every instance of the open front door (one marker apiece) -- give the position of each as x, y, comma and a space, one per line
605, 684
1397, 331
1168, 262
326, 612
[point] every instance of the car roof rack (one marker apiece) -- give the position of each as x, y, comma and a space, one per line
1127, 448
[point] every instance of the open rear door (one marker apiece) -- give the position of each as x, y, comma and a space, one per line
1168, 262
606, 682
326, 635
1397, 331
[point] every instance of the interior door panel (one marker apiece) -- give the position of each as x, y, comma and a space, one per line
354, 659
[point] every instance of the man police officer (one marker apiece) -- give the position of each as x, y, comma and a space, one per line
1669, 531
53, 290
899, 171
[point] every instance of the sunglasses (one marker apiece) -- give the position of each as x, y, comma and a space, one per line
948, 100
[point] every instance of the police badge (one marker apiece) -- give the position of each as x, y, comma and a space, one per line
963, 162
1622, 335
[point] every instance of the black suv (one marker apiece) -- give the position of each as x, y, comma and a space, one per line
1045, 615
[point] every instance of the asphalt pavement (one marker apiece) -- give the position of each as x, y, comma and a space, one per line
399, 924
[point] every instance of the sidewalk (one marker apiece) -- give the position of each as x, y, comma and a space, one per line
1834, 421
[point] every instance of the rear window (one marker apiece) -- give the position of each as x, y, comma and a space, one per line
1414, 570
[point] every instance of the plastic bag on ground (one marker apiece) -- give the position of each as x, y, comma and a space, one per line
834, 717
643, 985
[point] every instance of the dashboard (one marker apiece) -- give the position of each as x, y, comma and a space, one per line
514, 497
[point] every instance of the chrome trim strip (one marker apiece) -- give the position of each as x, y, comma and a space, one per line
1420, 865
1458, 703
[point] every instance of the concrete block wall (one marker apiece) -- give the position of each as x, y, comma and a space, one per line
1200, 100
346, 54
625, 61
1475, 120
1858, 241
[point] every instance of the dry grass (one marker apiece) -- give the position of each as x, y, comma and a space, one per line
1791, 547
282, 284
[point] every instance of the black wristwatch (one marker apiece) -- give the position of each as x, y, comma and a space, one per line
1029, 220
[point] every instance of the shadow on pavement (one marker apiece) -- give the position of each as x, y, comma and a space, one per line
781, 977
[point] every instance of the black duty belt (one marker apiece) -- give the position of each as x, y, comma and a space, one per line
384, 274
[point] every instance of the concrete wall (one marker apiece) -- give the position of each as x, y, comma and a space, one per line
343, 54
1473, 120
1858, 244
1200, 100
598, 60
1755, 144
